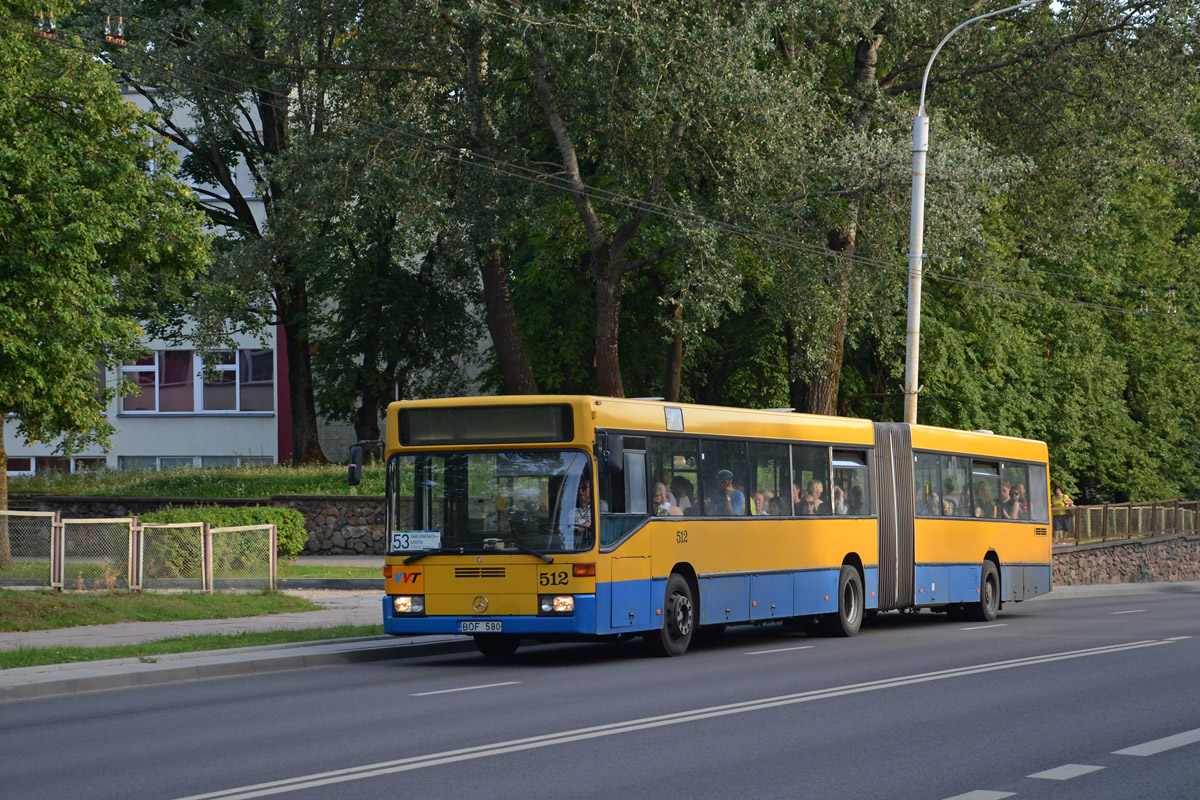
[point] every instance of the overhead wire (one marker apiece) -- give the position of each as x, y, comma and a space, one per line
424, 143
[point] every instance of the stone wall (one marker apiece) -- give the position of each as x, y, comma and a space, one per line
336, 525
1168, 557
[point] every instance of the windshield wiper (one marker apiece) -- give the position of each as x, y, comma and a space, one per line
441, 551
522, 548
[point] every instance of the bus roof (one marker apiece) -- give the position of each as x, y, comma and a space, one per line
656, 416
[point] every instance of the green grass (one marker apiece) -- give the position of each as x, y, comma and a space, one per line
38, 656
241, 482
45, 610
294, 569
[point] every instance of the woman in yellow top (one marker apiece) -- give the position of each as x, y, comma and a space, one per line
1060, 505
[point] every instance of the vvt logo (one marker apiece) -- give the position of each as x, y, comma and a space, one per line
407, 577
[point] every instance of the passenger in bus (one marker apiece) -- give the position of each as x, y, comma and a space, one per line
665, 480
949, 508
683, 490
931, 505
758, 503
1005, 500
816, 489
856, 502
839, 501
725, 501
1020, 502
777, 507
985, 507
663, 507
807, 506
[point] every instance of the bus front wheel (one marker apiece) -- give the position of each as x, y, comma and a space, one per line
679, 620
849, 616
497, 645
989, 594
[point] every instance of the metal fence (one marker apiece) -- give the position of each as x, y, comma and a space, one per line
97, 553
25, 547
172, 556
38, 548
1109, 521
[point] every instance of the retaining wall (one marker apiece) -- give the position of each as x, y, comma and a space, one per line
1166, 557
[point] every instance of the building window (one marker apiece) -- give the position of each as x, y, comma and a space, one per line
160, 463
175, 382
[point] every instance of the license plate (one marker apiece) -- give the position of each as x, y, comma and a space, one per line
481, 626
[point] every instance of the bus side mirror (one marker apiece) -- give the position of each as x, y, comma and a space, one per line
354, 474
610, 453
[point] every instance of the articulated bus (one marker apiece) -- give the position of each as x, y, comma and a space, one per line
574, 518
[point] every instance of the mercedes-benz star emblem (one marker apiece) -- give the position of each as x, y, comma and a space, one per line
480, 604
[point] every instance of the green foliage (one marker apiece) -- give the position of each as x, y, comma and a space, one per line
235, 482
234, 549
93, 239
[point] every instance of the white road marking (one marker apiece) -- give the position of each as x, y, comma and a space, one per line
987, 627
1135, 611
383, 768
1065, 772
779, 650
1161, 745
464, 689
982, 794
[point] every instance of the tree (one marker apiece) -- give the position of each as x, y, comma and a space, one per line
89, 236
231, 89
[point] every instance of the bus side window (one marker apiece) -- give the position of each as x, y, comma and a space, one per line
849, 494
1039, 490
928, 485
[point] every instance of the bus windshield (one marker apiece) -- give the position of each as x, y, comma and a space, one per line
509, 500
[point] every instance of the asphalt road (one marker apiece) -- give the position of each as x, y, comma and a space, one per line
1086, 697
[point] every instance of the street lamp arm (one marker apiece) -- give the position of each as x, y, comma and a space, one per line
946, 38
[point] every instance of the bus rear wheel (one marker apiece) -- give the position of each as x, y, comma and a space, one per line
989, 595
849, 616
497, 645
679, 620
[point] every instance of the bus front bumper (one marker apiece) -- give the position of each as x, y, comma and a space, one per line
582, 622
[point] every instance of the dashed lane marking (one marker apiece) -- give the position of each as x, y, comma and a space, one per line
464, 689
1161, 745
1065, 772
779, 650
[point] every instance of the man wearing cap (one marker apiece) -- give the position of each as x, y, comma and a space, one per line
726, 501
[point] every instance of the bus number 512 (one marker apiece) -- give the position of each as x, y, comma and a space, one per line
681, 536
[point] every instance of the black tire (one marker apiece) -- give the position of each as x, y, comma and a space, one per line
495, 645
989, 595
849, 616
679, 620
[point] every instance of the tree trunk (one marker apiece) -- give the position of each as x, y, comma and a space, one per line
822, 394
609, 288
674, 383
501, 317
292, 301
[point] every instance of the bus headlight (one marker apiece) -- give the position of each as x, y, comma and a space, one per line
556, 604
408, 604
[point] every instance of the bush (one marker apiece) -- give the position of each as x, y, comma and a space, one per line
290, 522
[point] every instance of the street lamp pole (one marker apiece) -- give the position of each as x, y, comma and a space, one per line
916, 229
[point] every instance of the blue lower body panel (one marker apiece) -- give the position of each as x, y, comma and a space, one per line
940, 584
636, 606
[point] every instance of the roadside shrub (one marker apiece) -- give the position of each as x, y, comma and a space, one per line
290, 522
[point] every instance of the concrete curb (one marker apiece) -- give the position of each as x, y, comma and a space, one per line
58, 680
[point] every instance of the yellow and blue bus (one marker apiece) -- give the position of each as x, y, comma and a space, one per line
579, 517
